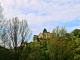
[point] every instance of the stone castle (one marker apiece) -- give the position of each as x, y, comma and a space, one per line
42, 36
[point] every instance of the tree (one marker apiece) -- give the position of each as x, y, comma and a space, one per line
2, 29
1, 14
61, 44
25, 30
4, 38
59, 31
76, 49
60, 49
76, 33
16, 31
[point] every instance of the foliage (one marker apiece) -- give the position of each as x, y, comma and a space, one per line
76, 49
60, 49
66, 47
63, 45
76, 33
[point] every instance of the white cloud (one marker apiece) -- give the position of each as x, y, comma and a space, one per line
41, 11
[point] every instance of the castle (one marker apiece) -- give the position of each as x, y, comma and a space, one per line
42, 36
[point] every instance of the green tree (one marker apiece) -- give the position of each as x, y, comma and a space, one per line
60, 48
32, 52
76, 33
76, 49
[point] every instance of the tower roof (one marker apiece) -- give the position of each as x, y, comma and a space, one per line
44, 31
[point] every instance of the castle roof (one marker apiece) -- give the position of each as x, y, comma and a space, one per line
44, 31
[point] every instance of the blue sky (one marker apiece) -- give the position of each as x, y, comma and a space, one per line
42, 14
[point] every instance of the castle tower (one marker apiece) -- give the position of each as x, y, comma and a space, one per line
44, 31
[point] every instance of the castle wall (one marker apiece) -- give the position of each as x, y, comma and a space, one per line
40, 35
44, 35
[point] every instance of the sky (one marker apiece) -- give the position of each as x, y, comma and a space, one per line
42, 14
